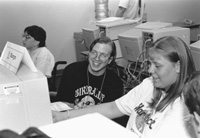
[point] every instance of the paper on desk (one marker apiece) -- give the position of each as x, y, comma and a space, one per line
59, 106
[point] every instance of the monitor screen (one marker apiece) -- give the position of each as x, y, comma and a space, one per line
131, 44
195, 50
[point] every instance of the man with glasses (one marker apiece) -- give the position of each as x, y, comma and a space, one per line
92, 82
33, 39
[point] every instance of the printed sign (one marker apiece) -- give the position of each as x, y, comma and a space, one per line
13, 55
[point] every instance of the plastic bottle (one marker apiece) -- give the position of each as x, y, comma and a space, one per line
101, 9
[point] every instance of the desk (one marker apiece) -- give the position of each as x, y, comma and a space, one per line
87, 126
194, 29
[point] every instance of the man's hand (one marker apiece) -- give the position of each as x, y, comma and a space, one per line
59, 116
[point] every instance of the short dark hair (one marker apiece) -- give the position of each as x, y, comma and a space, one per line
38, 33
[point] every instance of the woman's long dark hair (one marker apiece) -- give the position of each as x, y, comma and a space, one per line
175, 50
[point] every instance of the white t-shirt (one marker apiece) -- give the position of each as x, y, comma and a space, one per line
131, 8
145, 122
43, 60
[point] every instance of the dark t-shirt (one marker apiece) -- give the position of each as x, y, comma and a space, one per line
75, 87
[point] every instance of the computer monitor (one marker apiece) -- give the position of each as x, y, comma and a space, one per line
24, 94
24, 99
153, 35
89, 35
195, 50
131, 42
150, 36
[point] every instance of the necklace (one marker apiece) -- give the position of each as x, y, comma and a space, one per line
88, 79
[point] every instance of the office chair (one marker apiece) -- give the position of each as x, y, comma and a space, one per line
198, 37
52, 80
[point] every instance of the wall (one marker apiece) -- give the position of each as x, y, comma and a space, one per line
173, 10
61, 18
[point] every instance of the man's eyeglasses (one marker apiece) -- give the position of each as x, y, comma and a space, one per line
26, 36
101, 56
